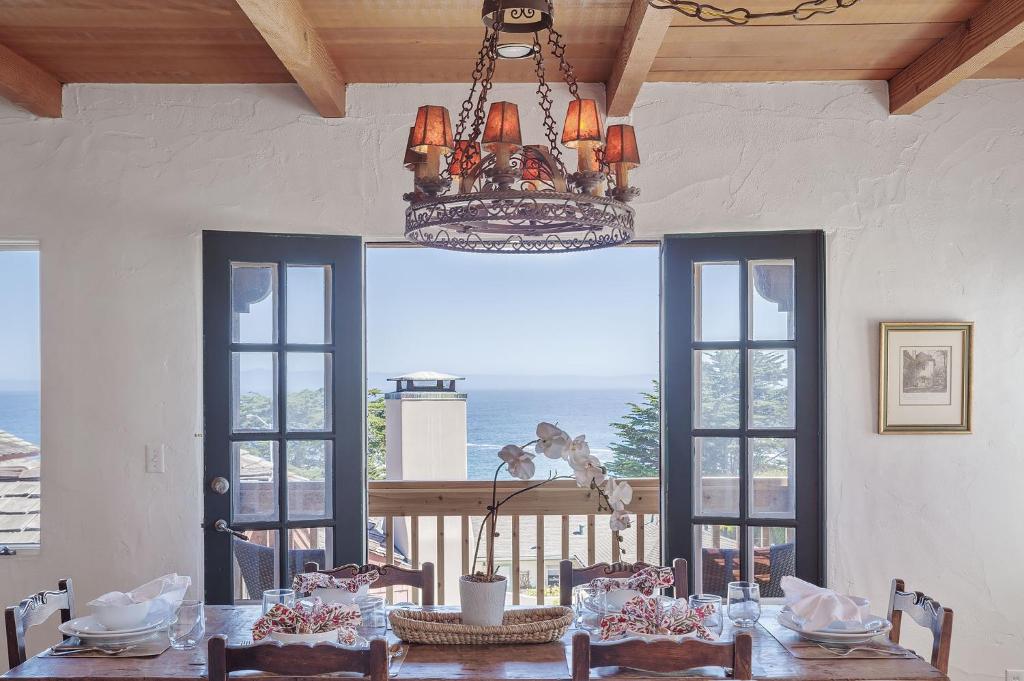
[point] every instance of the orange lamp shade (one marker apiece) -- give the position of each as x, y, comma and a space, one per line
467, 155
582, 123
412, 158
502, 125
621, 146
433, 129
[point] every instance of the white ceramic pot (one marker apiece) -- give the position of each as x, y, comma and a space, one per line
483, 603
329, 636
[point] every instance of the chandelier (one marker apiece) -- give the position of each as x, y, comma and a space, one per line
483, 190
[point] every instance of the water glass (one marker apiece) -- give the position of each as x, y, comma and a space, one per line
744, 607
590, 604
371, 611
715, 621
272, 597
188, 625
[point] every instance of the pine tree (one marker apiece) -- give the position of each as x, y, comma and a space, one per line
638, 453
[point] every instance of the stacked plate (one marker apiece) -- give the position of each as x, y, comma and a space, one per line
89, 630
843, 633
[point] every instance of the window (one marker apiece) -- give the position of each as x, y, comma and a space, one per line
743, 430
19, 396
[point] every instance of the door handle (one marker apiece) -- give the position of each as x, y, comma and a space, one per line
222, 526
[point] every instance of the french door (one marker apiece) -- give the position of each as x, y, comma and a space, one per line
742, 407
283, 408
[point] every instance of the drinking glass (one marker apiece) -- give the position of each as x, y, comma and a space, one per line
744, 603
590, 603
371, 611
715, 621
272, 597
188, 625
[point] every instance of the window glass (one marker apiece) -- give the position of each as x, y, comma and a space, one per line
20, 428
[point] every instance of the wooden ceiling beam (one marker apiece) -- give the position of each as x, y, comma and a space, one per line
641, 39
288, 31
28, 86
988, 34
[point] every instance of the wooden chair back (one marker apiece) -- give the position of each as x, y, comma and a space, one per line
35, 610
569, 576
296, 659
926, 612
390, 575
661, 656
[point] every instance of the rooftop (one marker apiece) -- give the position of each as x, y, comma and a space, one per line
427, 376
19, 490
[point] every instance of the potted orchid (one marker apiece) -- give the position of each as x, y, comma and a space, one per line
482, 592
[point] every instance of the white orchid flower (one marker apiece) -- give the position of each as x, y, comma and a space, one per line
520, 463
619, 521
619, 494
586, 467
552, 441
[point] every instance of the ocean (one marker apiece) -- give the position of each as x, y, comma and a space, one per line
500, 417
496, 417
19, 414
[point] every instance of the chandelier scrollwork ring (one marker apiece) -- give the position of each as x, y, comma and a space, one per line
481, 189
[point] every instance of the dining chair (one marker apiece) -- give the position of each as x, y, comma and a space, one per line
296, 659
926, 612
35, 610
390, 575
662, 656
569, 576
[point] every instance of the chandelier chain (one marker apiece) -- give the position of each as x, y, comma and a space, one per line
544, 93
558, 50
480, 114
741, 15
467, 105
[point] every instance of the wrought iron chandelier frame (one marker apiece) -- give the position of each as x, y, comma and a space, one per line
529, 202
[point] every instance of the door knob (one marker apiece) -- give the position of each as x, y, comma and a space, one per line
220, 485
222, 526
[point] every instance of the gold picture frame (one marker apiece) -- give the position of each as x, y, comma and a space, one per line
925, 376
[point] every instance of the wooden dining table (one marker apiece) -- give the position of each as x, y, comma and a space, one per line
536, 662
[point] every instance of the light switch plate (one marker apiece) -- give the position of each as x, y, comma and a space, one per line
155, 458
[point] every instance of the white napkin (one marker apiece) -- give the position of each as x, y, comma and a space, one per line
818, 608
167, 592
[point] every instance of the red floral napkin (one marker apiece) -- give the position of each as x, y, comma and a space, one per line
305, 582
643, 615
309, 617
646, 581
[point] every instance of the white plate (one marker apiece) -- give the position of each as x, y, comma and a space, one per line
90, 627
836, 635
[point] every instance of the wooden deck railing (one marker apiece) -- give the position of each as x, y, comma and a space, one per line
439, 521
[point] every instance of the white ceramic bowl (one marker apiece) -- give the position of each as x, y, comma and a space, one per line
617, 598
342, 596
328, 636
119, 617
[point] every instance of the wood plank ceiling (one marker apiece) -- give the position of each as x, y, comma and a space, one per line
373, 41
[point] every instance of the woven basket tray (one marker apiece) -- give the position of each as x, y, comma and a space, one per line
534, 625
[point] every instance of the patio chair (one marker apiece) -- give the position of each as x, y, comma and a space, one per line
660, 656
569, 576
390, 575
771, 564
718, 568
297, 659
258, 563
926, 612
35, 610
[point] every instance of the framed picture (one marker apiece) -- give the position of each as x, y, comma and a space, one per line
924, 381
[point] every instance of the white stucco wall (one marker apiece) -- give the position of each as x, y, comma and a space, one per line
924, 216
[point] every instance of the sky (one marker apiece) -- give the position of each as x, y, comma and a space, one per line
502, 318
19, 320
